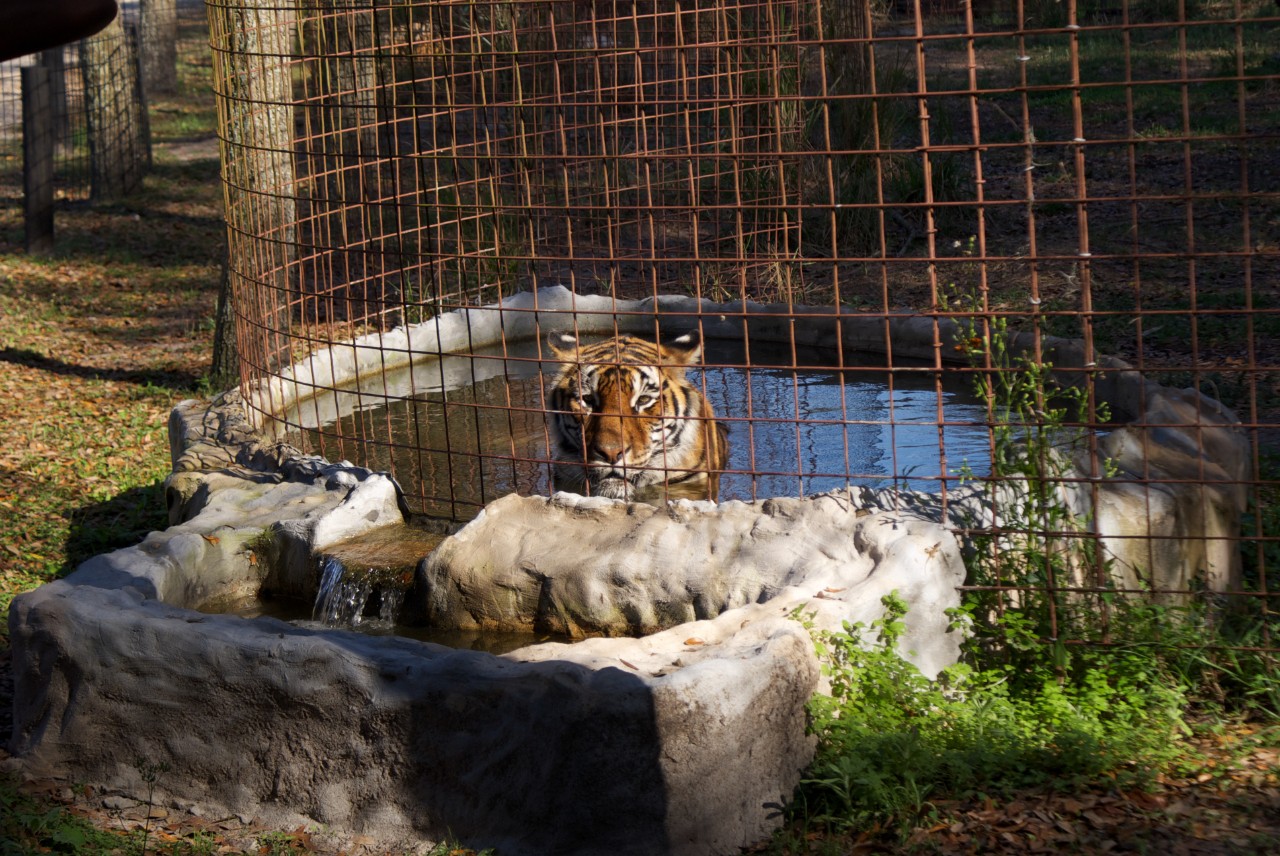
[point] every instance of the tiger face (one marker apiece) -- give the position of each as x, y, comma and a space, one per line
624, 417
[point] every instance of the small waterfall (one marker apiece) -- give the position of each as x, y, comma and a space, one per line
389, 609
339, 602
365, 580
343, 595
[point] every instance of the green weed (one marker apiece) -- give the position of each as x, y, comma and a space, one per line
280, 844
31, 825
449, 848
892, 741
150, 773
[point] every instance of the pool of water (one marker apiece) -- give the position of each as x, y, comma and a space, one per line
462, 431
301, 614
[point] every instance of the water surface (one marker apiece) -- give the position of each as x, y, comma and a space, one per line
460, 432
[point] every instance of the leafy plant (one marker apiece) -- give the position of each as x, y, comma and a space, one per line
1035, 553
891, 741
450, 848
150, 772
283, 844
32, 825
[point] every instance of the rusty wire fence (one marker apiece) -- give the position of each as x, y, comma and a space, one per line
976, 190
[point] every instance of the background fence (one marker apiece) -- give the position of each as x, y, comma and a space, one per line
1100, 171
84, 115
67, 122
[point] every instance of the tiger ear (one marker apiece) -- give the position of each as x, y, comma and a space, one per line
563, 345
684, 350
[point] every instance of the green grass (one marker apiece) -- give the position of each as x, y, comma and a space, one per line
190, 113
1152, 54
58, 509
98, 341
1210, 52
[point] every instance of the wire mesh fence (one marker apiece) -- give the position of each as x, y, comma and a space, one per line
1019, 256
69, 143
118, 135
96, 128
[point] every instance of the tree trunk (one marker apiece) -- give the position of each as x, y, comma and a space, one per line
116, 127
253, 42
159, 46
225, 371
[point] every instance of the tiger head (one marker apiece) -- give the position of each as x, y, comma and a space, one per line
624, 416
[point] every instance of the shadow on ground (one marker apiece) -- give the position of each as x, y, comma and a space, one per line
177, 380
122, 521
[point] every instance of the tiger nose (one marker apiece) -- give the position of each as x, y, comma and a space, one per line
610, 450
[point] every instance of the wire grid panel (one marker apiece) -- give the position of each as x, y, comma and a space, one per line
117, 121
1102, 172
70, 146
113, 114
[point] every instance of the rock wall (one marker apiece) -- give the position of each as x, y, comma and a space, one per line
682, 741
582, 567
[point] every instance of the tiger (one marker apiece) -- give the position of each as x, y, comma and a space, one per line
624, 418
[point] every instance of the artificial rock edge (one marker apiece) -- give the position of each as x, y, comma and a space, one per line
698, 730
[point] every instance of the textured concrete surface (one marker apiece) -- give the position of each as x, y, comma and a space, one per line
638, 569
669, 744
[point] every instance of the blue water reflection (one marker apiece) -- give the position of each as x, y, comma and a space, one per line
807, 431
460, 432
